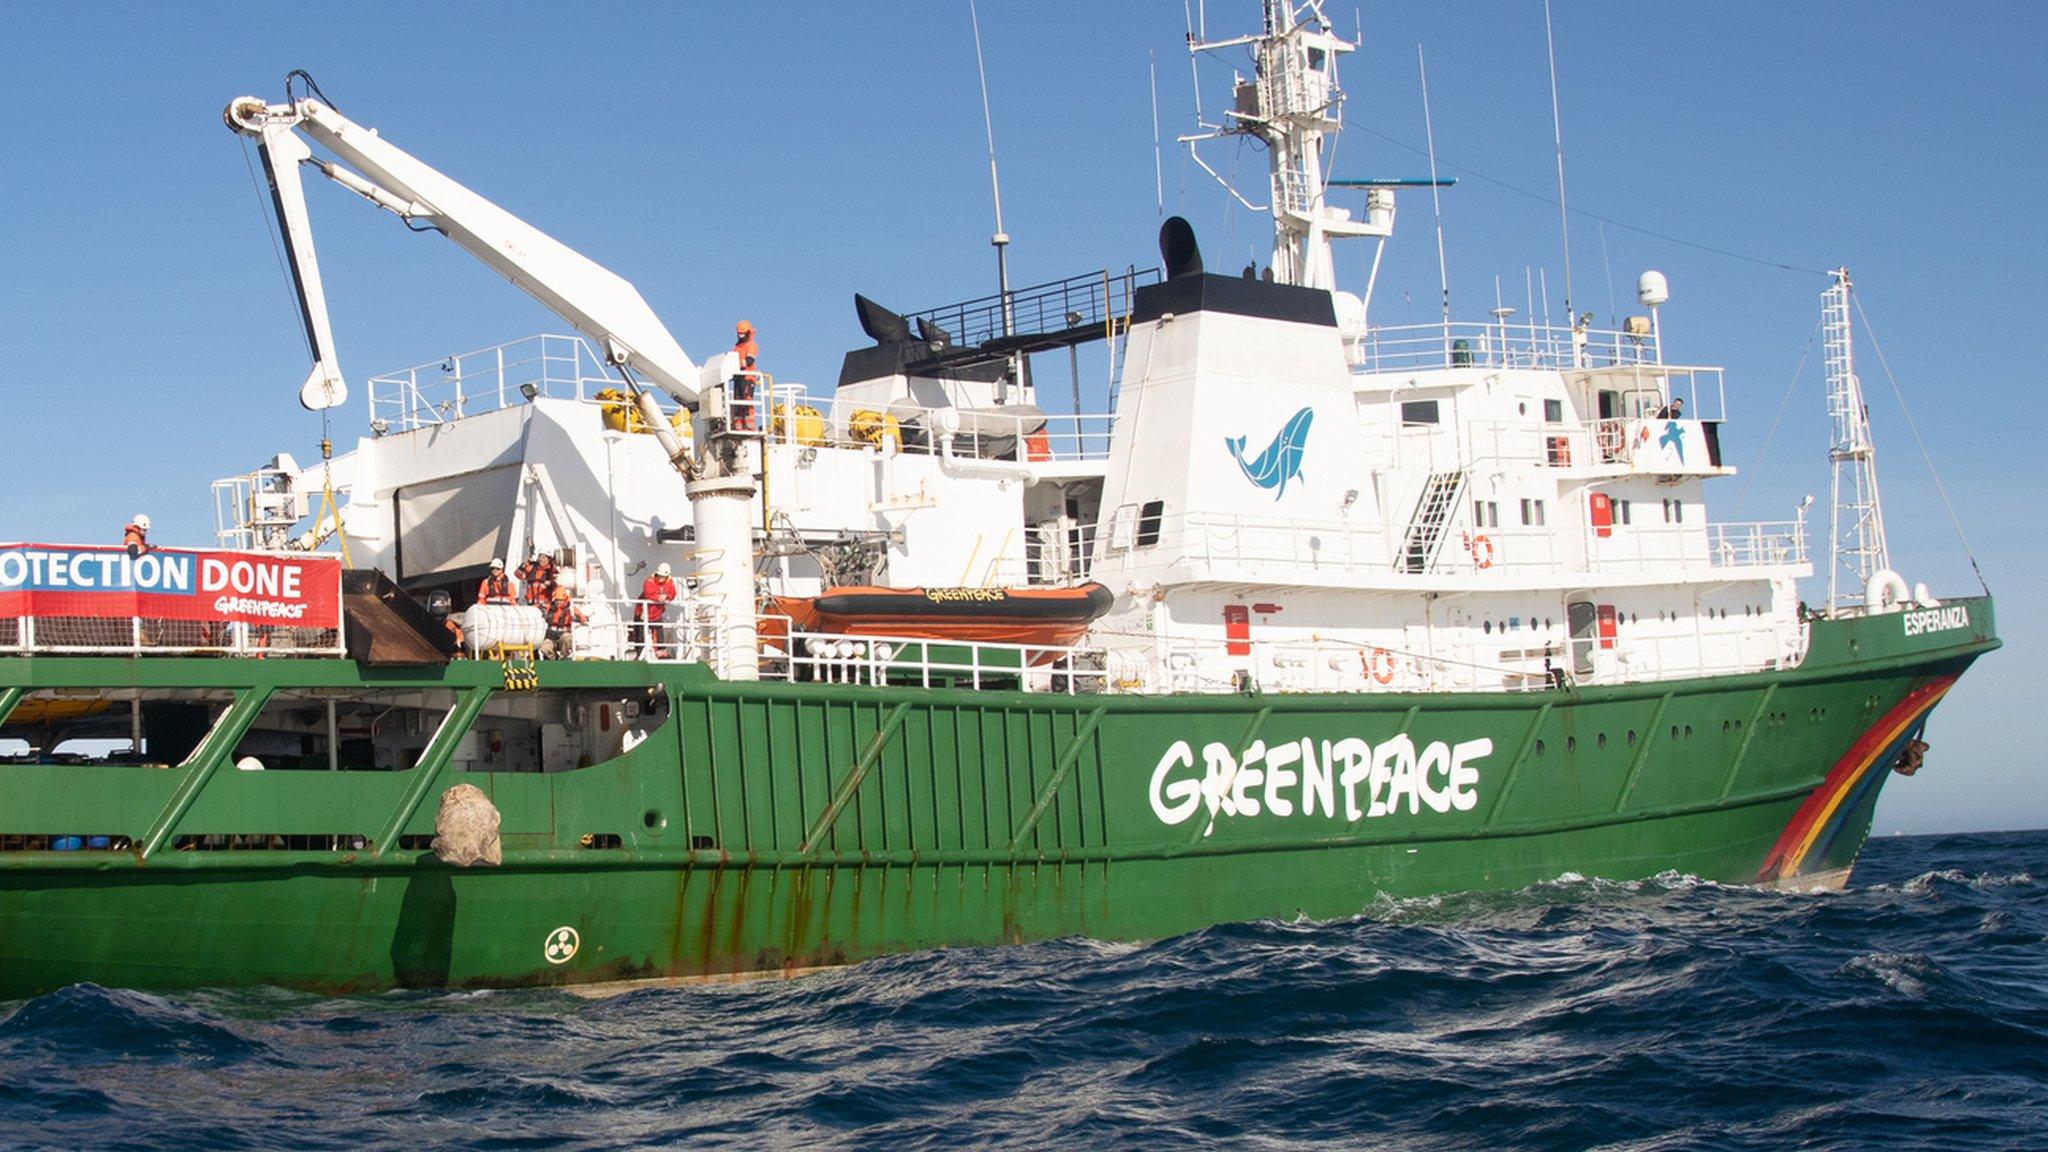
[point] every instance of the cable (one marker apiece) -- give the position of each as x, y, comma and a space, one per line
1790, 386
277, 249
312, 86
1539, 197
1924, 454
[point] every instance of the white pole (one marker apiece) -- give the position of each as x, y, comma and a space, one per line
1564, 227
1436, 201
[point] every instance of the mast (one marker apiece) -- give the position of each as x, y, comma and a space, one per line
1857, 546
1293, 105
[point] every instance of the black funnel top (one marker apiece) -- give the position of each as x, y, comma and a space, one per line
1178, 248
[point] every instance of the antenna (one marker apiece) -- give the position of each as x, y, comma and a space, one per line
1436, 201
1564, 226
1001, 239
1158, 174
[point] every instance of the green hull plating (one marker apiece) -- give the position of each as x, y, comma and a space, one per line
773, 827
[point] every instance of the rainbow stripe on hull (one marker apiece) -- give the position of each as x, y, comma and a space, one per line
1852, 784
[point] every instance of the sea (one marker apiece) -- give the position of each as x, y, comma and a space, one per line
1909, 1012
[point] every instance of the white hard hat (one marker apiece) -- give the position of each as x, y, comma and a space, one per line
497, 563
142, 521
661, 569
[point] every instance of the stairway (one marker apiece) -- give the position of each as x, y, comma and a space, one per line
1433, 513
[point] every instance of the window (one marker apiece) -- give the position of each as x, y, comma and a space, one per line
1420, 412
1622, 512
1532, 513
1149, 516
1486, 514
1553, 411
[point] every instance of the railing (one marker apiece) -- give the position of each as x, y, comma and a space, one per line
1252, 548
1612, 443
1058, 554
1756, 544
970, 433
1091, 300
1501, 345
485, 380
690, 632
150, 636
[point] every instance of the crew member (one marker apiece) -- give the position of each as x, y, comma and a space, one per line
497, 587
135, 537
744, 411
1672, 411
563, 616
539, 575
657, 592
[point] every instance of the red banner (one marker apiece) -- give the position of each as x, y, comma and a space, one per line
170, 584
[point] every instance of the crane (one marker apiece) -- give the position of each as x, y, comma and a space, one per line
719, 479
596, 301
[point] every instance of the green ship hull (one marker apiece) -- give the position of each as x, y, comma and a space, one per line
776, 827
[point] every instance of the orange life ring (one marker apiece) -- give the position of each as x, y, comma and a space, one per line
1377, 664
1482, 551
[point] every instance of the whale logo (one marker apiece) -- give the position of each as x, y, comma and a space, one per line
1281, 460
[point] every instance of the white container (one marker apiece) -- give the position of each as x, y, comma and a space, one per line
486, 626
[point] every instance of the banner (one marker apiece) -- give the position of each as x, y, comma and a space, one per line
103, 581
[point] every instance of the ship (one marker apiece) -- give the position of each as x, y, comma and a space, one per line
1318, 611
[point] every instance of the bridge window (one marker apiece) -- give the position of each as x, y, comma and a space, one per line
1553, 411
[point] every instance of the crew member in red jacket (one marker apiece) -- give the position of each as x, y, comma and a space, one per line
497, 587
657, 592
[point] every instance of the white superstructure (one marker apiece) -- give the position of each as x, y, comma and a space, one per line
1288, 496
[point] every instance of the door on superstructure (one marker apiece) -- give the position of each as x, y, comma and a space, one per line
1582, 619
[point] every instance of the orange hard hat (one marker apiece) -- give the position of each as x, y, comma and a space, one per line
742, 328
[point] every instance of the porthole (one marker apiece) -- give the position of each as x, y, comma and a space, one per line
1631, 737
1571, 743
1602, 742
1539, 747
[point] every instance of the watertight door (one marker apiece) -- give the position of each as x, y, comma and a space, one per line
1237, 630
1582, 619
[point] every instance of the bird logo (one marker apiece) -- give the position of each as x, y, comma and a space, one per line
1281, 459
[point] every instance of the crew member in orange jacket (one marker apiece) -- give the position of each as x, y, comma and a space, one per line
563, 616
135, 537
497, 587
745, 413
539, 575
657, 592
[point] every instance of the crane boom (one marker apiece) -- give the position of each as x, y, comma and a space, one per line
600, 304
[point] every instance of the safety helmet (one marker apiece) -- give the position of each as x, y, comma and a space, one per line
561, 593
662, 570
743, 327
142, 521
497, 565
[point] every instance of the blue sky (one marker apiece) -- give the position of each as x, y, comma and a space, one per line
768, 161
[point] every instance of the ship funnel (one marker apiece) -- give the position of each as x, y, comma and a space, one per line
1178, 248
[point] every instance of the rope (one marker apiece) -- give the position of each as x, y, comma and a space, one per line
1790, 387
1926, 456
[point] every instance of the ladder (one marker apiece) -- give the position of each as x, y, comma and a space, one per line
1858, 548
1433, 513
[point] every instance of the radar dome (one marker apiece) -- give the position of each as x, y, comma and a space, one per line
1651, 288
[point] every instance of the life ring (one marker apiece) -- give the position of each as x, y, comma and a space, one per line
1377, 664
1482, 551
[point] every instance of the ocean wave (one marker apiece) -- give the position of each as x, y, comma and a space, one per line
1664, 1013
